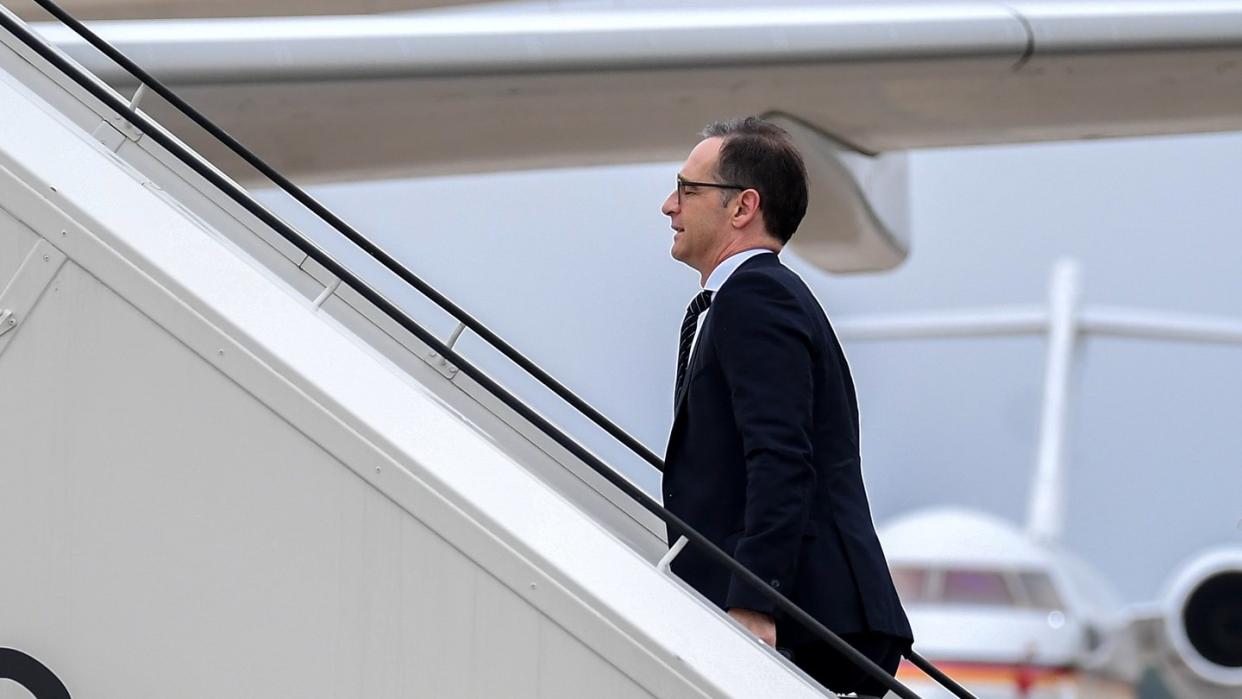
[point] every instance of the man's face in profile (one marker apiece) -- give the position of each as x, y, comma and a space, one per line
699, 220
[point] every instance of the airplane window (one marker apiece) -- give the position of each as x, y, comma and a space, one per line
976, 587
1040, 591
911, 584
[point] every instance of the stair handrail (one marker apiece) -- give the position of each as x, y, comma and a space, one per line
204, 169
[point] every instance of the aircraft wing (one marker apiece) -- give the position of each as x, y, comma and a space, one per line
467, 90
167, 9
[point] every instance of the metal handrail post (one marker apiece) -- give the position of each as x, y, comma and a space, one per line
666, 561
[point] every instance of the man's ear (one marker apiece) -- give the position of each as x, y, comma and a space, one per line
746, 209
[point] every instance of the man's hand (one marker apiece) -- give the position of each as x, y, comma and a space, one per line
757, 623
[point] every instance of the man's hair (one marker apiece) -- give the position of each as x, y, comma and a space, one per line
760, 155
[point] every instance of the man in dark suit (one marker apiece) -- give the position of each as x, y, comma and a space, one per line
763, 458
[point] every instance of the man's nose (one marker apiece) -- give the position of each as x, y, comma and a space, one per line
670, 204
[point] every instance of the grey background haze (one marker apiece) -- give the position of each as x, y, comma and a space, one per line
572, 267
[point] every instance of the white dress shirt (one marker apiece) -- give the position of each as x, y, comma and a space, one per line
715, 280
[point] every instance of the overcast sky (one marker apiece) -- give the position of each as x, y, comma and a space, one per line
572, 267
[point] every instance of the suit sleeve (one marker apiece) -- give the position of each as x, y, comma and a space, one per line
763, 340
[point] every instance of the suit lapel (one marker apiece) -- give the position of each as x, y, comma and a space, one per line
679, 400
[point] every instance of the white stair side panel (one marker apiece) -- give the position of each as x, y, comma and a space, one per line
227, 222
162, 313
178, 521
168, 525
537, 452
13, 249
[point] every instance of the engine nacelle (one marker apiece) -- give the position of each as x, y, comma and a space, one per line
1203, 627
859, 214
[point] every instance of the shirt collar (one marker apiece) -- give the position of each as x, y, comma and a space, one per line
727, 267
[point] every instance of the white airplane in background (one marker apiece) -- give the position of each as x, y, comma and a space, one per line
454, 90
1010, 613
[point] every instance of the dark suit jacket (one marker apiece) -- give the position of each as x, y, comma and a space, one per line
763, 460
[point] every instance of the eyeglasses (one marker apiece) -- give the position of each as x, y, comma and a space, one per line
682, 184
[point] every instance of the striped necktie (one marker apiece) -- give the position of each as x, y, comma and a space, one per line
688, 326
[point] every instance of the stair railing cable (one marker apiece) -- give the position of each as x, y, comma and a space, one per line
243, 199
361, 241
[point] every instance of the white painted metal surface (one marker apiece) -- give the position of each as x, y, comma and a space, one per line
577, 87
666, 561
858, 215
470, 90
380, 335
139, 9
20, 294
485, 43
213, 488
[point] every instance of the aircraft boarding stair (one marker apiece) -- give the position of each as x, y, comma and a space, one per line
224, 472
